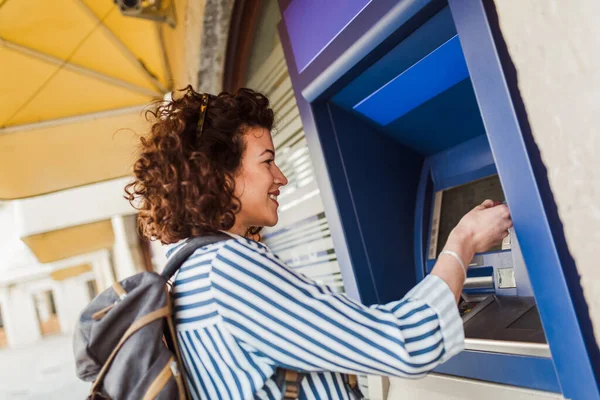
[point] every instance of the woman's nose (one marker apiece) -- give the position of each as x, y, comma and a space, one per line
280, 178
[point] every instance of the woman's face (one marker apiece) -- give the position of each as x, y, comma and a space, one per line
258, 181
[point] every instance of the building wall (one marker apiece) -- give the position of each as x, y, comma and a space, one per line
215, 31
554, 46
18, 306
19, 283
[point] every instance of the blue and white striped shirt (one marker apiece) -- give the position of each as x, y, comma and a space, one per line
241, 313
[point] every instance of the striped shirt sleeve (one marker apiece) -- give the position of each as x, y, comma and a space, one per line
291, 321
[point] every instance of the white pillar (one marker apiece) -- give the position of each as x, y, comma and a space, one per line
102, 267
20, 319
123, 257
159, 260
62, 300
4, 309
71, 297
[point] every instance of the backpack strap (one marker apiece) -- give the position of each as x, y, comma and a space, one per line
190, 246
289, 382
351, 382
184, 390
173, 265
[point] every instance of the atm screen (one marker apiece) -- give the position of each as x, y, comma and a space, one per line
452, 204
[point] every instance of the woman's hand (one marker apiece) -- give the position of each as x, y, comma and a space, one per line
483, 227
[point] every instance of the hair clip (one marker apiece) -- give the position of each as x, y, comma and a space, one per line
202, 117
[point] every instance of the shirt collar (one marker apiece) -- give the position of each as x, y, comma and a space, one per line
172, 248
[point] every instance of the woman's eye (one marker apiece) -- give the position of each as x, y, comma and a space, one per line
269, 161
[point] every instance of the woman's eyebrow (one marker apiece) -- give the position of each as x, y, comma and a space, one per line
267, 151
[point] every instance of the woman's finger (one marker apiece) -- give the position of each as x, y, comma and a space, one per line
505, 215
501, 211
486, 204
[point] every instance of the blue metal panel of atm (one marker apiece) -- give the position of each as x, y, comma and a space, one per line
415, 121
407, 152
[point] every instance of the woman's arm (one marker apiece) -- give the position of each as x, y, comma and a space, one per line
287, 319
484, 226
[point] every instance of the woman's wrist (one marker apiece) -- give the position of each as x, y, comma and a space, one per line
454, 261
460, 243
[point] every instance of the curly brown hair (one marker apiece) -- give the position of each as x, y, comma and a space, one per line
184, 181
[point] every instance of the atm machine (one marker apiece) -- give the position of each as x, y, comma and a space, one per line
410, 126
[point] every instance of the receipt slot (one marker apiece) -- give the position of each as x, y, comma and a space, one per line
410, 124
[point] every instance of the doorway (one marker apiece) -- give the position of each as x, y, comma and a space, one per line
45, 308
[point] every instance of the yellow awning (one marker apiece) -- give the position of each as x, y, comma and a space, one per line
74, 75
44, 158
70, 272
72, 241
70, 57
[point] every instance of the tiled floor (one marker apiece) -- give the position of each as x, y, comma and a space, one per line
44, 370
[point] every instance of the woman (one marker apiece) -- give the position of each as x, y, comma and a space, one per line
209, 165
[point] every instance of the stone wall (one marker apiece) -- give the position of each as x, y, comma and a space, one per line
554, 47
217, 15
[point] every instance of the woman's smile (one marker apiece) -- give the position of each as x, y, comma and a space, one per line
273, 196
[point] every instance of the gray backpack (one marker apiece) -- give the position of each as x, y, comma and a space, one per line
125, 338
